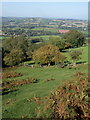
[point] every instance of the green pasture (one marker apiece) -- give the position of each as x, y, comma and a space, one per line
85, 32
46, 29
44, 37
19, 106
52, 29
0, 37
84, 56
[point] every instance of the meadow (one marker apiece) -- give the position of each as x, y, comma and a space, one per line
16, 104
44, 37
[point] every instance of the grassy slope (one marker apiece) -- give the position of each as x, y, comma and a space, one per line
19, 106
84, 56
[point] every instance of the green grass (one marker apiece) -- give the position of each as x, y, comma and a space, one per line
19, 106
44, 37
29, 62
0, 37
53, 29
84, 56
85, 32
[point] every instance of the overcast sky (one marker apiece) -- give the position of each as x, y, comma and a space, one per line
76, 10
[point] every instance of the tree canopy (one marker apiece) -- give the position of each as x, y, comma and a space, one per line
48, 54
13, 42
14, 57
14, 50
76, 38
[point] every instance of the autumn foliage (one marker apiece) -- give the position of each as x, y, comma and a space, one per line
8, 86
69, 101
48, 54
11, 75
14, 57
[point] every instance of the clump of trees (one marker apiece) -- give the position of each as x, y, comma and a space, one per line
75, 38
17, 49
48, 54
19, 42
14, 50
71, 39
59, 42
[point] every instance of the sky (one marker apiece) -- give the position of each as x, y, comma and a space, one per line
75, 10
45, 0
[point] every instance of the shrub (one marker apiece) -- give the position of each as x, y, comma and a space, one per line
69, 102
19, 82
75, 55
8, 86
11, 75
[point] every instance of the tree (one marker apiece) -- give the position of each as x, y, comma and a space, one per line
75, 56
14, 57
14, 49
53, 40
60, 43
63, 44
4, 53
76, 38
13, 42
48, 54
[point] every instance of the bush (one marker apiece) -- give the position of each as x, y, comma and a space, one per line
19, 82
69, 102
11, 75
8, 86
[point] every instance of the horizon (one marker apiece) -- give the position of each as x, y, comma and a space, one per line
45, 18
61, 10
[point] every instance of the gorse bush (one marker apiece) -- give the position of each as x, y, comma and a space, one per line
69, 102
8, 86
11, 75
14, 83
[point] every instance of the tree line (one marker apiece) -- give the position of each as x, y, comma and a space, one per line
17, 49
28, 32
